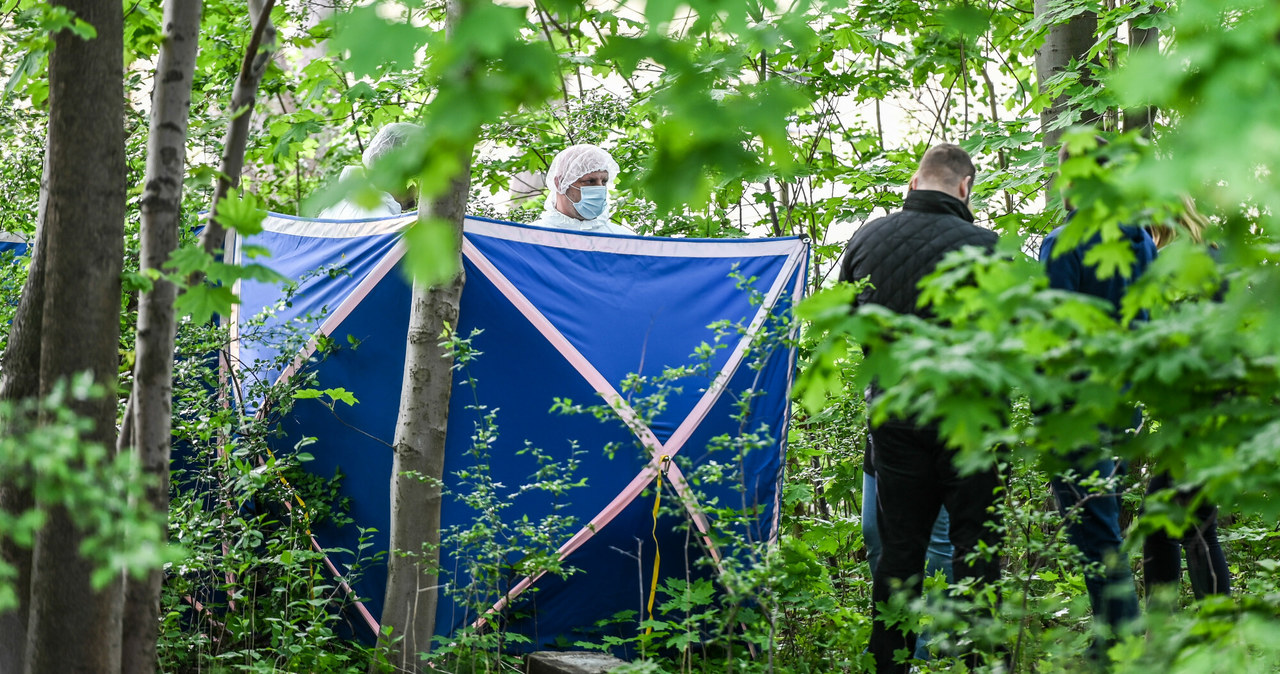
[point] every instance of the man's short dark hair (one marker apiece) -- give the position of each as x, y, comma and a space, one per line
946, 163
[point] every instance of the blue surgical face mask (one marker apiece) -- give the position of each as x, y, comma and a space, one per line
593, 201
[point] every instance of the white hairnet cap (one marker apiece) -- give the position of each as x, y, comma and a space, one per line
387, 139
576, 161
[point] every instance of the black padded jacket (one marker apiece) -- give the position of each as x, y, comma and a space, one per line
900, 249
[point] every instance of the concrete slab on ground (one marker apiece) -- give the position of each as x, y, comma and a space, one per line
570, 662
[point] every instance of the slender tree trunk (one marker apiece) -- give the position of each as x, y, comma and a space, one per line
418, 471
1141, 39
151, 407
1065, 41
244, 95
72, 627
418, 467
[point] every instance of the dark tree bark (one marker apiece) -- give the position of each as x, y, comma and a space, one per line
72, 627
1065, 42
418, 471
151, 406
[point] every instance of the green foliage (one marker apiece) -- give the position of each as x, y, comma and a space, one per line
433, 244
730, 119
252, 594
1217, 81
495, 548
42, 452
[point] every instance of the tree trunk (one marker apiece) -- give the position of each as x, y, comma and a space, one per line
153, 369
19, 381
409, 609
1142, 119
72, 627
244, 95
1065, 41
411, 594
418, 470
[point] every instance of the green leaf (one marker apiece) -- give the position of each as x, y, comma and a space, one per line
375, 44
489, 28
32, 62
262, 273
241, 212
189, 258
201, 302
432, 256
1111, 258
136, 282
83, 29
252, 252
360, 90
342, 395
659, 13
965, 20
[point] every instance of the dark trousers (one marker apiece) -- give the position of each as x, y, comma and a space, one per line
1094, 528
915, 476
1206, 564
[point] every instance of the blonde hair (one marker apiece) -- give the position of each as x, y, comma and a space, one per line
1189, 220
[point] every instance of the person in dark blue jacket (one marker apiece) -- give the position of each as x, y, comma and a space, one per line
1068, 271
1094, 524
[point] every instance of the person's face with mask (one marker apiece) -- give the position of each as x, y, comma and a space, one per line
586, 197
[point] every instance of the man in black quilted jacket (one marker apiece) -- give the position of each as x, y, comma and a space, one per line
913, 466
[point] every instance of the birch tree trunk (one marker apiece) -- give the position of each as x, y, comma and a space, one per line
153, 369
1065, 41
412, 594
72, 627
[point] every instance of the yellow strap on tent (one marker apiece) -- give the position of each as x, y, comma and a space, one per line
657, 552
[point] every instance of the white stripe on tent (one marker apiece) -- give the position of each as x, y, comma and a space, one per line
231, 249
634, 245
229, 361
337, 229
542, 236
659, 451
730, 368
10, 237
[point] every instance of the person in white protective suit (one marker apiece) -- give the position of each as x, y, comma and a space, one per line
578, 191
392, 202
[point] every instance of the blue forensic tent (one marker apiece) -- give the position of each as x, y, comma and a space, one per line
12, 242
553, 314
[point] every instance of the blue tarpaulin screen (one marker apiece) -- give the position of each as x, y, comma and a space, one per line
552, 315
